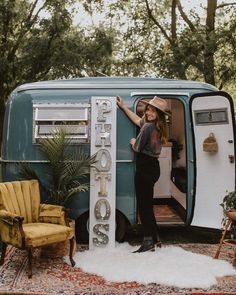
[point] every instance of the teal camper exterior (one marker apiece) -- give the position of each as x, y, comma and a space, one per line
193, 179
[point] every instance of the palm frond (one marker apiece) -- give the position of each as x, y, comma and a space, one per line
27, 172
54, 148
77, 189
77, 167
69, 168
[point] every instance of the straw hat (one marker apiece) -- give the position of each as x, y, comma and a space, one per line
158, 103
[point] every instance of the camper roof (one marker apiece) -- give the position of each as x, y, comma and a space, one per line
117, 82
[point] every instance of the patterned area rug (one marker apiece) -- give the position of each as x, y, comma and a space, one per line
53, 276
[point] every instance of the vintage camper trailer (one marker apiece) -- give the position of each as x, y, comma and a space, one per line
197, 164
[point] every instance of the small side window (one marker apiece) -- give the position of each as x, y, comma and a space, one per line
212, 116
74, 117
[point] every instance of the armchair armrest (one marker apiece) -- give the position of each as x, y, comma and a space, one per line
10, 218
11, 230
52, 214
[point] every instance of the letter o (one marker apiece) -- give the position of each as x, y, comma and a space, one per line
99, 206
104, 160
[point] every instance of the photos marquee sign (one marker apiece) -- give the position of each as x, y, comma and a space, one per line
103, 178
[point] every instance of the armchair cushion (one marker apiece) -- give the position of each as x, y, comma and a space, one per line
52, 214
40, 234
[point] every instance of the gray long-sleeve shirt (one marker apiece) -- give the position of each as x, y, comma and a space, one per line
148, 140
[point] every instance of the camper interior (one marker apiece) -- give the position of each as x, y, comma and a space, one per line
170, 191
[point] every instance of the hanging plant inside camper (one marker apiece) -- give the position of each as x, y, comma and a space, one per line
68, 170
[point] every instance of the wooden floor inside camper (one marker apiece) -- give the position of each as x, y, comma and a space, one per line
167, 214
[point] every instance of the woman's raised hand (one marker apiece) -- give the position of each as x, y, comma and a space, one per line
131, 115
120, 102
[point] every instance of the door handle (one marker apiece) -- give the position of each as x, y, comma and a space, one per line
231, 158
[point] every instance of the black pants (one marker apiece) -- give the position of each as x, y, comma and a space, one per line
147, 173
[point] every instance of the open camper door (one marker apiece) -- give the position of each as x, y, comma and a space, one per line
212, 116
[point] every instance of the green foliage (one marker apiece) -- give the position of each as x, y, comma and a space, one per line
229, 202
38, 41
163, 38
69, 170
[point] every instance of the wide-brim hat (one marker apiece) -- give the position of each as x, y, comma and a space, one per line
159, 103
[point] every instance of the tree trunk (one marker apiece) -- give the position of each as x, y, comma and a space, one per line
180, 69
210, 46
2, 107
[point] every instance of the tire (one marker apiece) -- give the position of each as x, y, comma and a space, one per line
82, 227
121, 224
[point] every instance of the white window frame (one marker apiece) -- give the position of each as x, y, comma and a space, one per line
78, 126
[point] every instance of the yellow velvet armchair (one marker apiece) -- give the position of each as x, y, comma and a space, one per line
27, 224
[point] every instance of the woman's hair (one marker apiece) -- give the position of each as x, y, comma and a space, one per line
161, 124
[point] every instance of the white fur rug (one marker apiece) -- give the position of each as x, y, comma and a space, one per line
170, 265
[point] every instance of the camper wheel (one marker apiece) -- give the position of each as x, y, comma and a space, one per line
82, 227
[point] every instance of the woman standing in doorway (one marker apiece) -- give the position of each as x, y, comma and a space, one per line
147, 146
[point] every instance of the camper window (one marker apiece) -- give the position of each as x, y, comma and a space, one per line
74, 117
216, 116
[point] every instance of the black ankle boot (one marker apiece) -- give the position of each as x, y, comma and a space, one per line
147, 245
157, 241
158, 244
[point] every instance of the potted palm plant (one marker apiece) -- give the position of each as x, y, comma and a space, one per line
68, 170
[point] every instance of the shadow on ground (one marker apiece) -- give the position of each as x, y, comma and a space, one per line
176, 234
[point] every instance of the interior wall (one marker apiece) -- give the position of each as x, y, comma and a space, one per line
177, 130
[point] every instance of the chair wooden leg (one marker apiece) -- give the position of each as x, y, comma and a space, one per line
72, 243
234, 260
4, 249
29, 262
227, 227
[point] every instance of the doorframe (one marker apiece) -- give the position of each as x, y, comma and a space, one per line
182, 97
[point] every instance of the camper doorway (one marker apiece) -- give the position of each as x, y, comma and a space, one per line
170, 191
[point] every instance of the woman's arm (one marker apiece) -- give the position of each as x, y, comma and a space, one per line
132, 142
131, 115
142, 139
